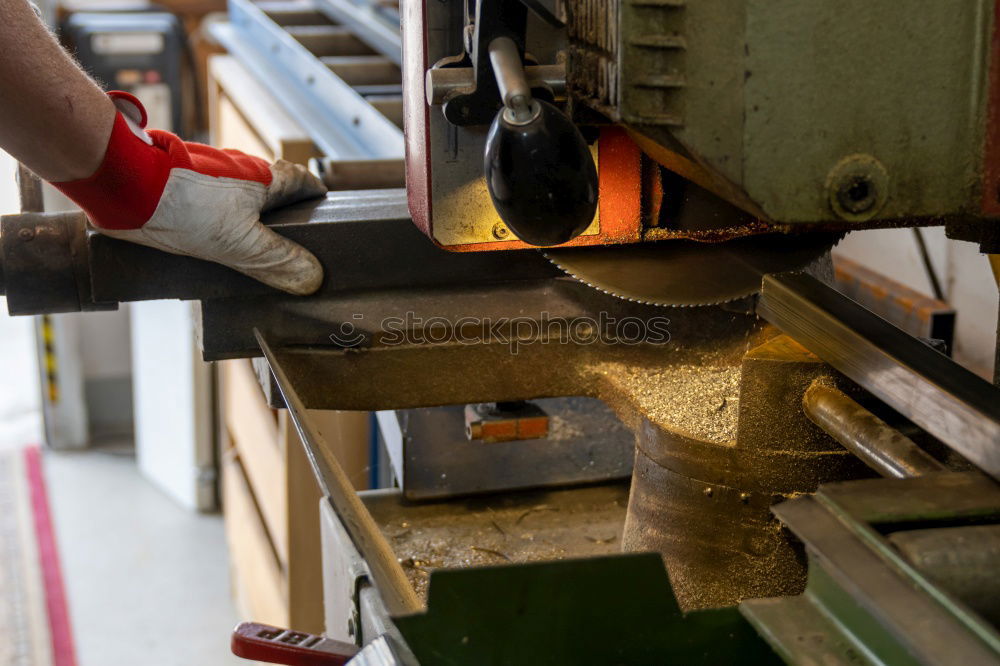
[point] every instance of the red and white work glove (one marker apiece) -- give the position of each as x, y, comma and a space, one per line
188, 198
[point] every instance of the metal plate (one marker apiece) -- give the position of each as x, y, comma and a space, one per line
686, 273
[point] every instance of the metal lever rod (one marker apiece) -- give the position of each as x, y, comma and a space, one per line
881, 447
387, 575
509, 72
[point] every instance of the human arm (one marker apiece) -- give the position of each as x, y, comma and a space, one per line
147, 187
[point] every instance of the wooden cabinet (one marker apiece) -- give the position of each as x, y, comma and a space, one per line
269, 494
271, 500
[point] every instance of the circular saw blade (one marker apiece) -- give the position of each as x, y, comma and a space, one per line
690, 273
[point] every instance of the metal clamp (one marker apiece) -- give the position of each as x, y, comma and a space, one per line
44, 259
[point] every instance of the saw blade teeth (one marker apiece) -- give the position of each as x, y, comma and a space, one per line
780, 255
633, 299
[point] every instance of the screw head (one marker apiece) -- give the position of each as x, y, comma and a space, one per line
856, 194
26, 234
857, 187
500, 231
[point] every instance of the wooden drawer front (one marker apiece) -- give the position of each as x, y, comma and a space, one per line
253, 429
258, 584
282, 488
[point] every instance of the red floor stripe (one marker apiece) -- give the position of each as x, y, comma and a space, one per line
63, 652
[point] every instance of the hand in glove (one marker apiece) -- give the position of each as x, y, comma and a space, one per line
188, 198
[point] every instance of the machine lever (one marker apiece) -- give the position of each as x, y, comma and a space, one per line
262, 642
539, 170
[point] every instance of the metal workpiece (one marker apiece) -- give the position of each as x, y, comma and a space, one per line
948, 401
915, 313
339, 120
864, 597
493, 422
387, 575
882, 447
443, 83
348, 231
120, 271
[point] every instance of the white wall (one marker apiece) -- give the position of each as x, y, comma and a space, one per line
965, 278
104, 351
8, 186
20, 397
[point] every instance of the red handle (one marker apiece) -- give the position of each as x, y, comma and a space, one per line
261, 642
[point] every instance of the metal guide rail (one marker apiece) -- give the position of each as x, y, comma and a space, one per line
317, 57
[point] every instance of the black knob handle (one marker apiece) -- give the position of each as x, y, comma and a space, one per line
541, 175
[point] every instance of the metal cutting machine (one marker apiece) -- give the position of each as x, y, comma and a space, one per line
809, 482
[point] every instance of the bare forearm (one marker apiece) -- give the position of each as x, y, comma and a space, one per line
53, 117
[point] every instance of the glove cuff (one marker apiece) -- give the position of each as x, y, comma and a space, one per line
124, 191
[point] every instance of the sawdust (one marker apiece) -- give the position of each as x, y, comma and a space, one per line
698, 399
506, 529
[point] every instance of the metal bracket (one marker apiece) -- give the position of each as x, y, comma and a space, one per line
43, 263
494, 18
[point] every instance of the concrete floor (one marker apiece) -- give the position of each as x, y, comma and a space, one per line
147, 581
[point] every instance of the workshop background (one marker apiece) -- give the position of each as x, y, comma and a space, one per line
129, 557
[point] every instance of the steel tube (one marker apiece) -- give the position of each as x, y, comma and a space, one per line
508, 70
945, 399
879, 445
349, 232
